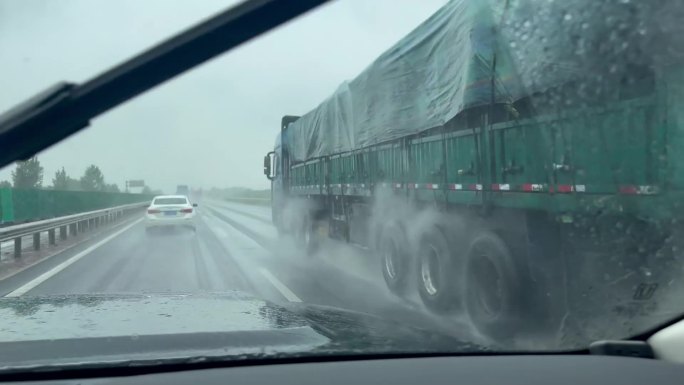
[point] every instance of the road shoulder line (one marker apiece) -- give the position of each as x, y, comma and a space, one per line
284, 290
52, 272
57, 252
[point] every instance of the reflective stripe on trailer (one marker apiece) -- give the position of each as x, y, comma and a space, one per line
501, 187
568, 188
532, 187
638, 190
564, 188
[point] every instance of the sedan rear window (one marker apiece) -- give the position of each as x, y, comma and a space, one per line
170, 201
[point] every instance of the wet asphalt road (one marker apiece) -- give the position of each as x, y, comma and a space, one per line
235, 247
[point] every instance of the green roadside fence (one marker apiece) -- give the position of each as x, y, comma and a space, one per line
20, 205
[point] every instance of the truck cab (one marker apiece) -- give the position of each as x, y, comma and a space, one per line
276, 168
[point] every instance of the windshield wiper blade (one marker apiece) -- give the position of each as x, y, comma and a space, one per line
51, 98
67, 108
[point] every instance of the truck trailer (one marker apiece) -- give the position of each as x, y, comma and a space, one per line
519, 163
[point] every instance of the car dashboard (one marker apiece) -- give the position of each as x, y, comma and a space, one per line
472, 370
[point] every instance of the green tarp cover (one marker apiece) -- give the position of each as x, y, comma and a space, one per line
450, 62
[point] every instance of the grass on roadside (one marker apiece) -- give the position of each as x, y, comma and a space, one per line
251, 201
243, 195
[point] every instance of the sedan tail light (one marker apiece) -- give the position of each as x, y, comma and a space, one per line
153, 211
189, 210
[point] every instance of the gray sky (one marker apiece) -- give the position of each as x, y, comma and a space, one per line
211, 126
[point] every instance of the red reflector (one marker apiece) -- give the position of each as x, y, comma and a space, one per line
628, 190
153, 211
564, 188
186, 210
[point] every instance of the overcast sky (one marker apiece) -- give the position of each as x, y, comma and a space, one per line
211, 126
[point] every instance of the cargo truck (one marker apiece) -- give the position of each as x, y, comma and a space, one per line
182, 189
502, 168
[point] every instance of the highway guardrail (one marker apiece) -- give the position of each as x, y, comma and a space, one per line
250, 200
69, 224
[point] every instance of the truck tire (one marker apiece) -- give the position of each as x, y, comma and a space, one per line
277, 222
394, 254
306, 235
493, 294
438, 271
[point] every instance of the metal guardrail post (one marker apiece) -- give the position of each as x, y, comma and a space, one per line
36, 241
63, 232
51, 237
74, 229
17, 247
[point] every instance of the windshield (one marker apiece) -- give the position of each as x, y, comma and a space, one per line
170, 201
505, 174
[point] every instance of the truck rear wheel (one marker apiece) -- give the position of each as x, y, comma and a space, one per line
307, 237
493, 295
438, 272
394, 257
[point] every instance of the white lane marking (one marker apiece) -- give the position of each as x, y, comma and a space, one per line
50, 273
219, 232
214, 225
239, 240
211, 269
284, 290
